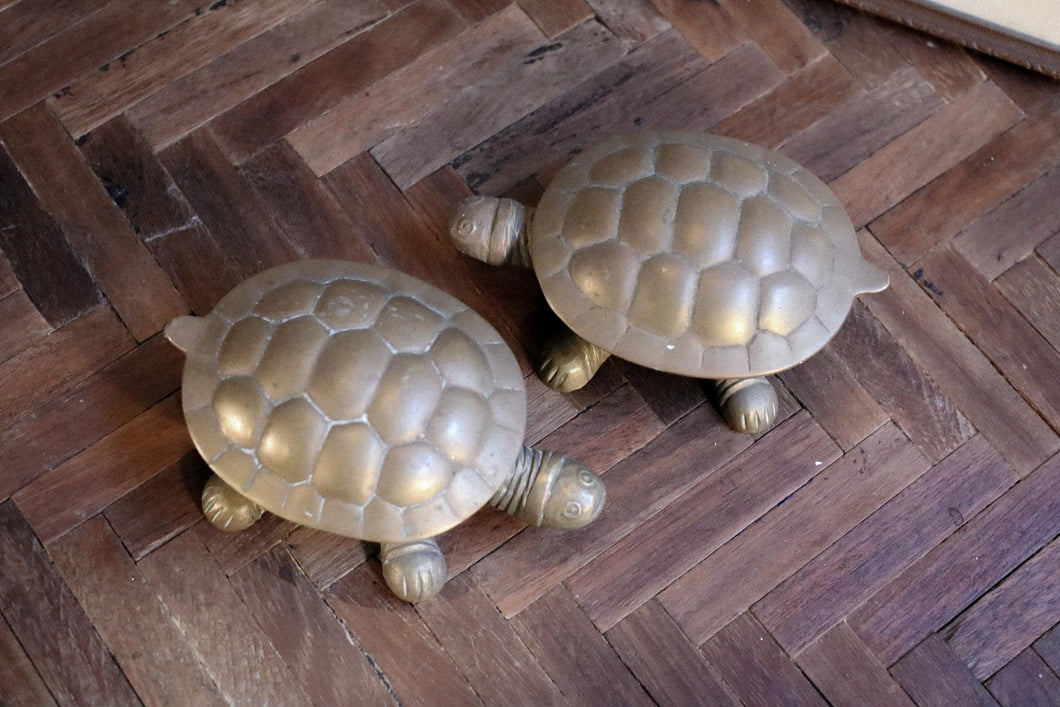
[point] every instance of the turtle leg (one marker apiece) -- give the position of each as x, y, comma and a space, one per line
226, 508
569, 362
551, 489
415, 571
747, 404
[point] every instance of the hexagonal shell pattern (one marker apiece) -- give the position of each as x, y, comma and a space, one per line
354, 399
695, 254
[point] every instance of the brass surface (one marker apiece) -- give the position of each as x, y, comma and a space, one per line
362, 401
688, 253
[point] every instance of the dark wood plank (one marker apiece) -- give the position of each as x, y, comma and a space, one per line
135, 625
459, 122
135, 180
634, 19
160, 508
498, 665
839, 497
545, 139
997, 329
329, 667
577, 658
1034, 289
325, 557
1014, 229
189, 102
555, 17
932, 675
308, 213
1025, 682
832, 660
882, 546
61, 499
712, 512
233, 551
1011, 616
666, 664
754, 666
27, 24
646, 482
947, 66
1050, 251
23, 324
80, 47
963, 567
827, 388
733, 82
915, 403
20, 683
1048, 647
717, 28
38, 254
106, 400
99, 95
957, 198
958, 368
399, 643
60, 361
925, 152
130, 278
236, 651
202, 269
807, 96
49, 623
349, 68
227, 205
863, 125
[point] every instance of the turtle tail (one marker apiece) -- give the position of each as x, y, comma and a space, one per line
186, 333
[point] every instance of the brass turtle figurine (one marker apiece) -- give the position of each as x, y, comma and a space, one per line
363, 401
689, 253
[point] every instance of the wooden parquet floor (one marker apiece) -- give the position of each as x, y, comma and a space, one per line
893, 540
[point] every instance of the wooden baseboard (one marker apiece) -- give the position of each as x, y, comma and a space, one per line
1040, 51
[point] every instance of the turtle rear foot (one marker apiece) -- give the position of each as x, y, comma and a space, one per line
415, 571
748, 404
226, 508
570, 362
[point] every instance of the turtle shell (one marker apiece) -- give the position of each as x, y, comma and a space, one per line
354, 399
697, 254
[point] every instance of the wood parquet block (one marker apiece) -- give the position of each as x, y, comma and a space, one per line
136, 627
893, 539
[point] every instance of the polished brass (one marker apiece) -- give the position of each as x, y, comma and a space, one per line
362, 401
688, 253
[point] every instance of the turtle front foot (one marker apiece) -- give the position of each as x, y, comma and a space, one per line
226, 508
748, 404
570, 362
415, 571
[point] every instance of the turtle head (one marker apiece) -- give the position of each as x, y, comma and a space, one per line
576, 497
490, 229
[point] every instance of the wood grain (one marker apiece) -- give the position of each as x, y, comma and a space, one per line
582, 665
1025, 681
709, 515
1003, 623
136, 287
835, 656
842, 577
213, 620
672, 671
148, 645
841, 495
49, 623
932, 675
755, 667
1031, 288
960, 569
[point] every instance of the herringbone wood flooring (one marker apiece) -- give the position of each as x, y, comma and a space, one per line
891, 541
